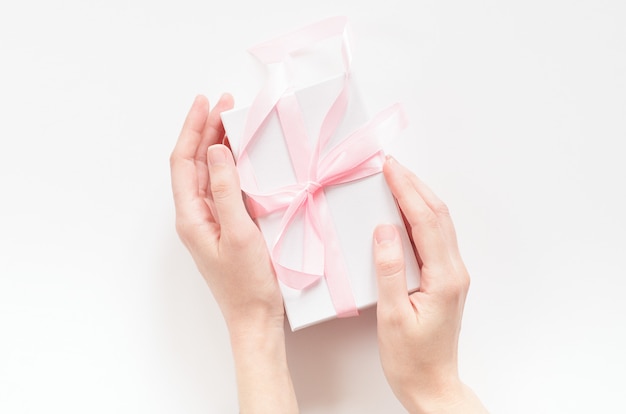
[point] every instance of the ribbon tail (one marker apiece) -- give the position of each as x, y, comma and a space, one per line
335, 268
314, 265
295, 279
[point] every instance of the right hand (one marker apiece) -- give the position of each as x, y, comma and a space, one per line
418, 334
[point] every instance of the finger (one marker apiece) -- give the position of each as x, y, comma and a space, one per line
425, 227
407, 226
390, 271
182, 160
225, 190
213, 133
441, 211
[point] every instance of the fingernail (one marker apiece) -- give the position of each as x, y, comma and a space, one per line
385, 234
217, 154
391, 162
196, 100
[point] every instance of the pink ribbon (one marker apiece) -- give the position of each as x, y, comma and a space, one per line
357, 156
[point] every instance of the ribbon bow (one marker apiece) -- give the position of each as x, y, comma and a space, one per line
357, 156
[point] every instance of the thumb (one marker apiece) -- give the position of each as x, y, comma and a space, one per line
390, 273
230, 210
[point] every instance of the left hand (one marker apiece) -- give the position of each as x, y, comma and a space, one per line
212, 222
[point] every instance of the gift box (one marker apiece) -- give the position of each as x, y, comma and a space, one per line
310, 161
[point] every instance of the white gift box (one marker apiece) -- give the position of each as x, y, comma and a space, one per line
356, 208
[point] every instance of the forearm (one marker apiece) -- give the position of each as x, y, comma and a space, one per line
263, 380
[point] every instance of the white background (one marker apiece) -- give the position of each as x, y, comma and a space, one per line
518, 117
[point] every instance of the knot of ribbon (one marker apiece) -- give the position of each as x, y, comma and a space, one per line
312, 187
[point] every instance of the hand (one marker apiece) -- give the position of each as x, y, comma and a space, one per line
212, 221
418, 334
231, 254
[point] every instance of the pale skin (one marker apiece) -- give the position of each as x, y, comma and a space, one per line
417, 334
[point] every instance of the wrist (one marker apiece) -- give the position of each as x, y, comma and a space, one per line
454, 397
258, 343
263, 378
255, 326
